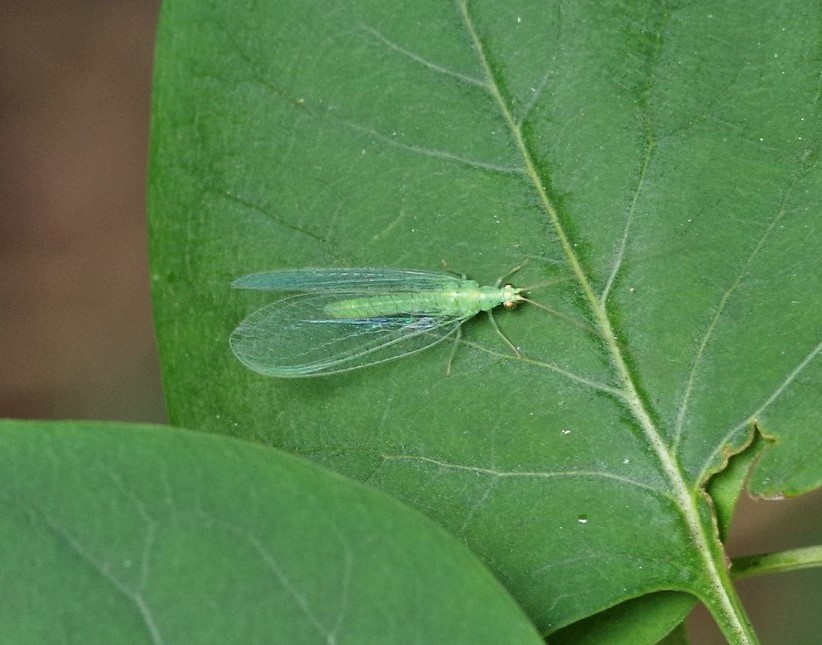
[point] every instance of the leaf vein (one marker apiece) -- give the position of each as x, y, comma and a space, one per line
712, 326
423, 61
704, 471
432, 152
526, 474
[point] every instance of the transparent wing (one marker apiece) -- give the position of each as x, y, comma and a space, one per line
293, 337
347, 280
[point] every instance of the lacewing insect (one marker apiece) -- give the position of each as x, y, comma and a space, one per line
344, 319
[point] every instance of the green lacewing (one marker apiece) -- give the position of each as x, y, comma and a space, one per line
345, 319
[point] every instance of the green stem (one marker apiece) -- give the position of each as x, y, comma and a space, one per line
792, 560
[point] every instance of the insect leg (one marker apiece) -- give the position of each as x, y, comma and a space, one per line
457, 337
451, 271
503, 336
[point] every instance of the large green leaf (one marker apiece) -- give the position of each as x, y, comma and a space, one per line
129, 534
661, 158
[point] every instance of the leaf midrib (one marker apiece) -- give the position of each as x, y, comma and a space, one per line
723, 601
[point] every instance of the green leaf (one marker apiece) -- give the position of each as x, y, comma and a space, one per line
648, 619
662, 158
135, 534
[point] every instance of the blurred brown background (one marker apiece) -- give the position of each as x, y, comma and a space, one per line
76, 337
